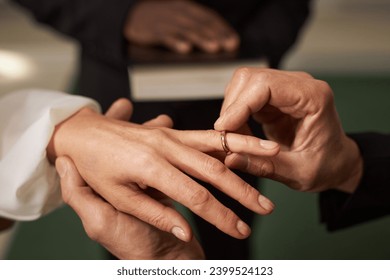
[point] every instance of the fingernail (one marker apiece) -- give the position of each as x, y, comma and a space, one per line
61, 168
179, 233
266, 203
268, 145
243, 228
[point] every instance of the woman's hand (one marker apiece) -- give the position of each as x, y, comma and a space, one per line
118, 160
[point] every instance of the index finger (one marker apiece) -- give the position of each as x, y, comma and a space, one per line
282, 89
250, 97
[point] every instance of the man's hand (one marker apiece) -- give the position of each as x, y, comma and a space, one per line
298, 112
179, 25
123, 235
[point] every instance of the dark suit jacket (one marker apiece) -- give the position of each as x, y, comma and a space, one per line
372, 197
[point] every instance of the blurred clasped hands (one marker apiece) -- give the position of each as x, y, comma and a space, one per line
180, 26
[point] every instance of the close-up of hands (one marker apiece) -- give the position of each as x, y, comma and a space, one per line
119, 160
181, 26
298, 112
125, 236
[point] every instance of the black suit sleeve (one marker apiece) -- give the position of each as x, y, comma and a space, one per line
96, 24
372, 198
274, 27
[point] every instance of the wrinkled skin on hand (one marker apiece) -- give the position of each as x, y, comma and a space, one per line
118, 160
298, 112
123, 235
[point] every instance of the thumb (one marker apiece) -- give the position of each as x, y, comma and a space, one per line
70, 177
160, 121
75, 192
93, 211
233, 118
121, 109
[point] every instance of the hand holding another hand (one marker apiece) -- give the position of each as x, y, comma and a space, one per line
123, 235
118, 160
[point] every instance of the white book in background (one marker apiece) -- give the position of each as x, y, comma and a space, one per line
188, 78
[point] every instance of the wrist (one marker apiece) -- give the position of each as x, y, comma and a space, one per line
351, 167
65, 134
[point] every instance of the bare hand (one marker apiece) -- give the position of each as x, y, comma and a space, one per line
298, 112
119, 160
123, 235
179, 25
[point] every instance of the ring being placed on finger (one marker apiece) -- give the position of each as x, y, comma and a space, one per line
224, 143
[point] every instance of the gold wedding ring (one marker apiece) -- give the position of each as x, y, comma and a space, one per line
224, 143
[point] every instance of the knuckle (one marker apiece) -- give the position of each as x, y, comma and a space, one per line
91, 233
262, 77
96, 228
242, 73
325, 92
127, 202
201, 198
214, 167
225, 218
160, 220
128, 205
324, 86
157, 134
246, 191
153, 135
304, 74
145, 160
123, 207
265, 168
